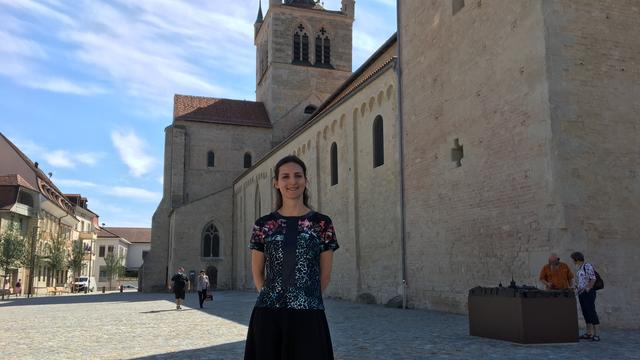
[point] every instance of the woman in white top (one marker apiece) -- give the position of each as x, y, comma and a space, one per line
202, 286
585, 279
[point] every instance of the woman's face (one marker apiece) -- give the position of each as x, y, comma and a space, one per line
291, 181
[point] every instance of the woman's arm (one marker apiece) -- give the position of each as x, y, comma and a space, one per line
257, 268
326, 260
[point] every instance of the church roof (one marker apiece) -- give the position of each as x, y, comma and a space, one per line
131, 234
220, 111
32, 175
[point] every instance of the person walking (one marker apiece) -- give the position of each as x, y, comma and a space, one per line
585, 279
291, 258
179, 283
18, 288
202, 286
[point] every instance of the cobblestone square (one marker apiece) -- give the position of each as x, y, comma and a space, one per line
147, 326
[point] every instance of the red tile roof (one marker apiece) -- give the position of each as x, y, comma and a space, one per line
134, 235
220, 111
15, 180
44, 184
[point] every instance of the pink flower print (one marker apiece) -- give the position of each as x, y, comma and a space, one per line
305, 224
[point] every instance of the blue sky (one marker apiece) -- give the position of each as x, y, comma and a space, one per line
87, 86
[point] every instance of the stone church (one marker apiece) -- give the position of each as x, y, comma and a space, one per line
481, 137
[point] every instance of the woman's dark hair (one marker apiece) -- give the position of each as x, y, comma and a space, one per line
296, 160
577, 256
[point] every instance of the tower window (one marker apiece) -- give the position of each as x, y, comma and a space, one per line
323, 49
378, 142
211, 159
300, 46
310, 109
457, 5
247, 160
334, 164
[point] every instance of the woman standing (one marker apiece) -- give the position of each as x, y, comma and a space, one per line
202, 286
291, 256
585, 279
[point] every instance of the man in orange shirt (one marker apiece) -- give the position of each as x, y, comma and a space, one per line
556, 275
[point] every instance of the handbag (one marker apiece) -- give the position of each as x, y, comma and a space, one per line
599, 284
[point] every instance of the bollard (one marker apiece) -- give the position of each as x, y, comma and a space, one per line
121, 288
104, 288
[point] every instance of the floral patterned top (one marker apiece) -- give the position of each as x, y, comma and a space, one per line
292, 247
585, 274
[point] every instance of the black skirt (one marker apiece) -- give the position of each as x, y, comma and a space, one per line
288, 334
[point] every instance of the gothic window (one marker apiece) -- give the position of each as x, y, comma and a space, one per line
323, 49
378, 141
210, 241
334, 164
300, 46
211, 159
247, 160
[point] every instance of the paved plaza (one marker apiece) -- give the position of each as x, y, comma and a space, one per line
147, 326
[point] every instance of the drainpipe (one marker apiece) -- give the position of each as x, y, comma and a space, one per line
403, 230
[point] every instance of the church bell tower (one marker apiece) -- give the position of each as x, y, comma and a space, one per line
303, 54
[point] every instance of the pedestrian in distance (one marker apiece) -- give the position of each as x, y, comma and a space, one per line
179, 283
585, 281
202, 286
18, 288
291, 257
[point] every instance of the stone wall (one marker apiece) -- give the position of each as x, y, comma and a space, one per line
542, 95
492, 217
593, 52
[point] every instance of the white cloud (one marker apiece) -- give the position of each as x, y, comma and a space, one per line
160, 179
74, 183
59, 158
88, 158
132, 151
135, 193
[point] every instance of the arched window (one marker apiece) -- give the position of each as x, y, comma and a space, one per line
323, 49
378, 142
247, 160
211, 159
300, 46
210, 241
334, 164
310, 109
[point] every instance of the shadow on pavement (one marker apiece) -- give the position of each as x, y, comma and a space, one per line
82, 298
234, 350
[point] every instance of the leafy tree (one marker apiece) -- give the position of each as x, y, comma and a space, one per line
32, 256
76, 258
58, 254
12, 249
114, 266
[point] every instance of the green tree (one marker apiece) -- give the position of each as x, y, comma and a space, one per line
12, 249
58, 254
32, 256
114, 267
76, 258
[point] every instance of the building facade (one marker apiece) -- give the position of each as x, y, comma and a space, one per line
483, 137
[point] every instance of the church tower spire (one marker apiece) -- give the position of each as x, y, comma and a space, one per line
259, 19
